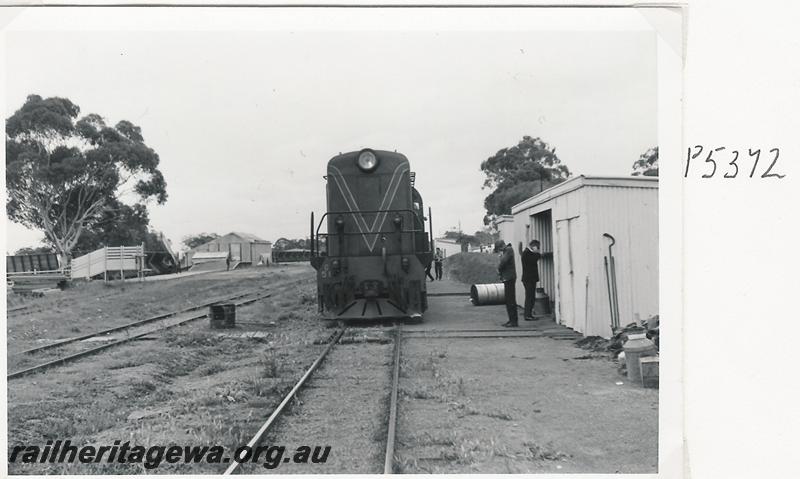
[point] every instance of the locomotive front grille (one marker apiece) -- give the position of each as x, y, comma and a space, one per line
371, 288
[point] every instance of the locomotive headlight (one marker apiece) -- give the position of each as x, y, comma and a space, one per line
336, 266
339, 223
405, 263
398, 221
367, 161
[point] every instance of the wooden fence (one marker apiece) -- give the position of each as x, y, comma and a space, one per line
107, 260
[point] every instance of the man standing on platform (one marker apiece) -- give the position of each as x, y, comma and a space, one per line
438, 257
530, 276
508, 274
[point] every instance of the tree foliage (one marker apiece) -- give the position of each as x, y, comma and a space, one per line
193, 241
120, 225
486, 236
282, 244
36, 250
519, 172
647, 164
64, 175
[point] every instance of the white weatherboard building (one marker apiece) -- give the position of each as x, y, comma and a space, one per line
242, 247
569, 220
505, 227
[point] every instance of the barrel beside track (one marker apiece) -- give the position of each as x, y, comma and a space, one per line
487, 294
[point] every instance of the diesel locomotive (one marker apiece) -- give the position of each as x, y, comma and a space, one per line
372, 253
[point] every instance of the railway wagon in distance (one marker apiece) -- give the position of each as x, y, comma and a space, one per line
295, 255
371, 259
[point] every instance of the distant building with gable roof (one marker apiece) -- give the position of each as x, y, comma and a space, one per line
243, 248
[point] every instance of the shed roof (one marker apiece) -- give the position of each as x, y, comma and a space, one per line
580, 181
249, 237
447, 240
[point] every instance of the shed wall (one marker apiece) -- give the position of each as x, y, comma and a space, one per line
244, 250
257, 249
505, 227
631, 216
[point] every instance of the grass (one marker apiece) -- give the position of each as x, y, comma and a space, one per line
457, 449
472, 268
546, 452
92, 306
269, 365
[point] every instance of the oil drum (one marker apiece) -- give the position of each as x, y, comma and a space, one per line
486, 294
222, 315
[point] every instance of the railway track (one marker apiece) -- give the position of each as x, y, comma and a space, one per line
240, 298
388, 466
130, 325
389, 459
289, 396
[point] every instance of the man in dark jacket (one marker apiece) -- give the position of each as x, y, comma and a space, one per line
438, 258
530, 276
508, 274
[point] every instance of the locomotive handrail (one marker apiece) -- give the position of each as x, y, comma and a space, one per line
402, 230
405, 210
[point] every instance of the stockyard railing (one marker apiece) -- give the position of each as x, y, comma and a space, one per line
110, 260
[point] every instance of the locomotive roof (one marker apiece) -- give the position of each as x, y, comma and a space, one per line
380, 153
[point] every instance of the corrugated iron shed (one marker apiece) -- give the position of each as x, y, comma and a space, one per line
243, 247
569, 220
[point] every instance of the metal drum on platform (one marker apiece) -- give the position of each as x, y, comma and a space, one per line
486, 294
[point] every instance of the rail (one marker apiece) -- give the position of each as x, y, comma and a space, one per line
81, 354
388, 462
279, 410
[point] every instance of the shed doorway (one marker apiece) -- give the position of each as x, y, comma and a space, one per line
235, 251
541, 228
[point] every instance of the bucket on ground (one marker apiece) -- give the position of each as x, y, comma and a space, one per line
637, 346
649, 368
486, 294
541, 303
222, 315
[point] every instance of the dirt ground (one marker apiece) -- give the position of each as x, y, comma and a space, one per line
516, 404
492, 405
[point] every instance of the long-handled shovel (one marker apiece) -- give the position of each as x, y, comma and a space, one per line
610, 301
611, 272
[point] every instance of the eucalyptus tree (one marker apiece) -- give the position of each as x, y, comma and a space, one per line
64, 174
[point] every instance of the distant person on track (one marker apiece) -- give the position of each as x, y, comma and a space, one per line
228, 263
438, 258
508, 274
530, 276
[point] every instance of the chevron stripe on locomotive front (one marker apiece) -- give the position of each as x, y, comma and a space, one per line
371, 260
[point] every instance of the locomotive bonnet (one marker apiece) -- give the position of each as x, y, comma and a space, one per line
370, 248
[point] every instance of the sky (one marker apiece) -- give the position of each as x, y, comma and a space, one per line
245, 120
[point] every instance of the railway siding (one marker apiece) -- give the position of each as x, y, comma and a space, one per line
191, 385
344, 405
